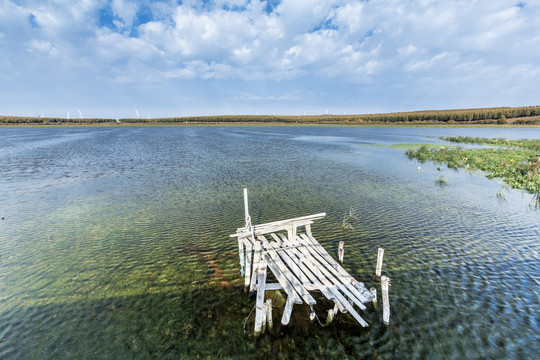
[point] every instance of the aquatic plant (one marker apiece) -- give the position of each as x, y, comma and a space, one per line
515, 161
442, 181
348, 218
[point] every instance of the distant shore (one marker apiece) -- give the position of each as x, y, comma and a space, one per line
501, 116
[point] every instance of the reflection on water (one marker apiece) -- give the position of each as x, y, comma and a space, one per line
115, 243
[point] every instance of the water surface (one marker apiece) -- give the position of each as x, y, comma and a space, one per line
115, 243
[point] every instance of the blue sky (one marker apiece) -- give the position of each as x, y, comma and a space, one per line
182, 58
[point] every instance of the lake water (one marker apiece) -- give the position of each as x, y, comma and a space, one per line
115, 243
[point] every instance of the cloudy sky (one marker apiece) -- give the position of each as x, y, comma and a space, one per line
179, 58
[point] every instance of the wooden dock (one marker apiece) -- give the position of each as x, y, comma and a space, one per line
299, 264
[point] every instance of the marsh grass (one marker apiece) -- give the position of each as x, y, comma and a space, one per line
514, 161
349, 218
442, 181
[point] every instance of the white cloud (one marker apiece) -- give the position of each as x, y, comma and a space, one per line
332, 41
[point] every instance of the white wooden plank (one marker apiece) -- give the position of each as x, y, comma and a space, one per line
334, 267
335, 278
349, 307
255, 265
288, 260
278, 225
308, 268
260, 311
273, 286
284, 282
289, 275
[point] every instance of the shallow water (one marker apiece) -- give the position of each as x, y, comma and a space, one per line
115, 243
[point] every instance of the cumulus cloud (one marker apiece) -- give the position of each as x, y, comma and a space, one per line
346, 41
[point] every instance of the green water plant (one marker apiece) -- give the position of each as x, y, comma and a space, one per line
514, 161
348, 219
442, 181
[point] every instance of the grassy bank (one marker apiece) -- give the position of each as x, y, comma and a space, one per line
501, 116
514, 161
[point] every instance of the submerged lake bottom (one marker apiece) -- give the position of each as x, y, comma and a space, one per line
115, 243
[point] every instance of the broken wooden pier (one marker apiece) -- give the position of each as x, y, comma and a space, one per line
299, 264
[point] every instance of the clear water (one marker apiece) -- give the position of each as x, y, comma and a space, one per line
115, 243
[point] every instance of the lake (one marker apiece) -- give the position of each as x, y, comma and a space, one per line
115, 243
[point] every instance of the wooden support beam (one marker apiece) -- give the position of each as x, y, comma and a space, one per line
256, 259
269, 319
248, 247
259, 312
385, 283
241, 255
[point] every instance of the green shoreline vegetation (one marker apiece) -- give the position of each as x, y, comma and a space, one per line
528, 115
517, 162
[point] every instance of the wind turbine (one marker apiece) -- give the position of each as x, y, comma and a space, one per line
80, 113
138, 116
68, 114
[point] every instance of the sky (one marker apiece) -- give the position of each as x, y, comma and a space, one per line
164, 58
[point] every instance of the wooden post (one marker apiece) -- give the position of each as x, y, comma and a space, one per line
340, 251
287, 311
379, 262
241, 255
330, 316
246, 207
269, 314
385, 283
374, 292
259, 313
255, 264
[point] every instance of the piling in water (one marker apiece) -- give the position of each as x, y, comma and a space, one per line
385, 283
379, 262
341, 251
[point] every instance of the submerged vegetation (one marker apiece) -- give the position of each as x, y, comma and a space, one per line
527, 115
515, 161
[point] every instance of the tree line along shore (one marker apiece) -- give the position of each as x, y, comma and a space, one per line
527, 115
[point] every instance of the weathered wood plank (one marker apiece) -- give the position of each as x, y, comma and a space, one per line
335, 268
349, 307
260, 311
334, 275
284, 282
262, 229
308, 268
291, 276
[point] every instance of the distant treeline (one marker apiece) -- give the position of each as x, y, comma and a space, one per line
529, 115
